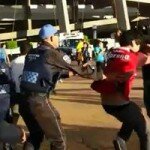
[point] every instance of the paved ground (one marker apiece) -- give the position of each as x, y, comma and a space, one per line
86, 124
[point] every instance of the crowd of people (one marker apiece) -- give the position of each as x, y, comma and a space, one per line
29, 79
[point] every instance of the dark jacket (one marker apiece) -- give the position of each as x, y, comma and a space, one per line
146, 72
42, 67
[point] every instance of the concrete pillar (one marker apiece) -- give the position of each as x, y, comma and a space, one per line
27, 12
62, 15
29, 15
75, 11
94, 32
121, 11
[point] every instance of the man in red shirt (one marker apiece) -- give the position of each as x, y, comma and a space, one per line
115, 88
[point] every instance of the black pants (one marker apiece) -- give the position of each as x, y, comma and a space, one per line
147, 95
99, 69
42, 119
36, 133
131, 117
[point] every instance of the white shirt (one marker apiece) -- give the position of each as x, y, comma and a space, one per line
17, 66
90, 50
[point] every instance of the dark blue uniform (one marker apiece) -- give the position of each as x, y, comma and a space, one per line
42, 67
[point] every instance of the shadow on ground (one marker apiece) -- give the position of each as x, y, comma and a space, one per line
90, 138
75, 94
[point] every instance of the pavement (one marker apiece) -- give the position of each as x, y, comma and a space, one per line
86, 124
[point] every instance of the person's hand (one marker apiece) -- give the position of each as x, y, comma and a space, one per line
85, 65
23, 135
71, 74
24, 138
89, 63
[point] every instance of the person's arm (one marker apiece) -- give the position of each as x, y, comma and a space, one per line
53, 57
11, 133
148, 60
143, 59
144, 55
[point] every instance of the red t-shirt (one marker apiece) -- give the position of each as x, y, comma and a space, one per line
120, 60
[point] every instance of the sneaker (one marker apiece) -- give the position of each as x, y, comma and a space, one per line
119, 144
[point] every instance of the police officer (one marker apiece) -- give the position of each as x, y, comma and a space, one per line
42, 66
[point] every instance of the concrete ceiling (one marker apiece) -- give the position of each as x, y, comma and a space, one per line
143, 6
98, 6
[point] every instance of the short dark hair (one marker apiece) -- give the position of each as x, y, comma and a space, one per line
96, 42
127, 37
25, 47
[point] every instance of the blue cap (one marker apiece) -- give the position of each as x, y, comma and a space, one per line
47, 31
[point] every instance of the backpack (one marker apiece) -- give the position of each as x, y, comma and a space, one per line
37, 75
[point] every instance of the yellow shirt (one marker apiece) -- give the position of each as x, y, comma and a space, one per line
79, 46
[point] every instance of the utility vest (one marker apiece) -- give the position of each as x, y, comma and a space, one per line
37, 74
